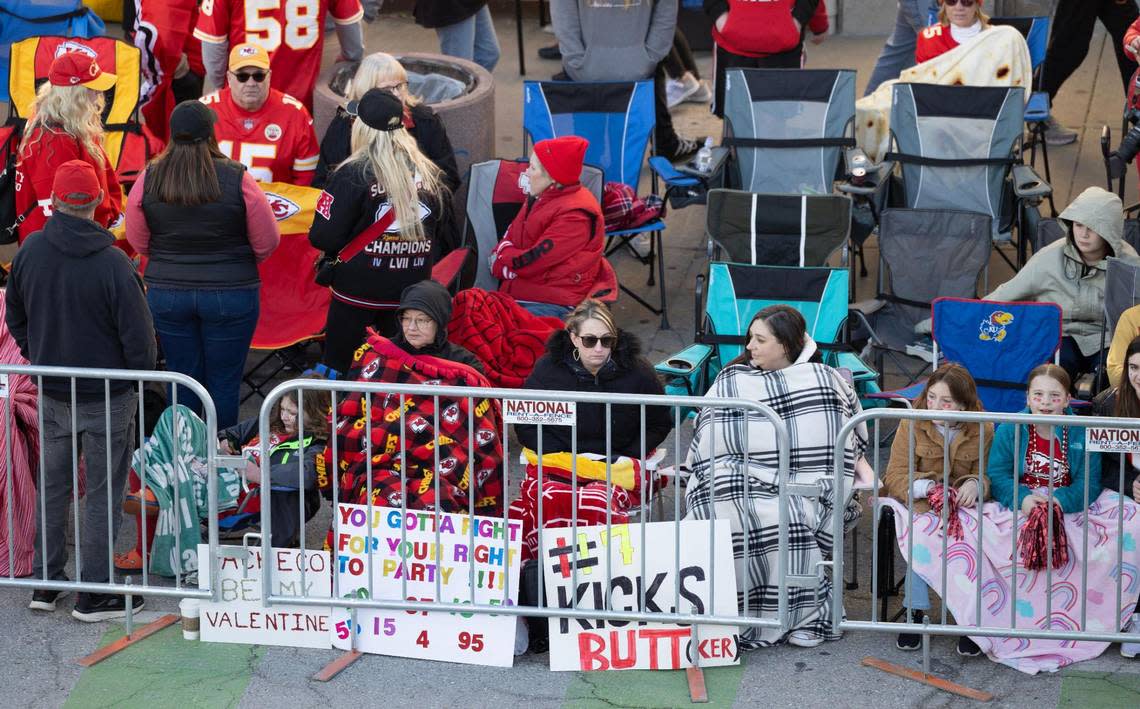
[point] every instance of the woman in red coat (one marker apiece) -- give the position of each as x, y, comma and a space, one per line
65, 125
958, 21
551, 256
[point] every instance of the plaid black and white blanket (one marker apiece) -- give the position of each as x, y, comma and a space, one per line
814, 402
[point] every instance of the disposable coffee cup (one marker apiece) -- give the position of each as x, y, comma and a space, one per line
190, 608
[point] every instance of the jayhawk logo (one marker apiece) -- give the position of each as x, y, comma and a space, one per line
993, 327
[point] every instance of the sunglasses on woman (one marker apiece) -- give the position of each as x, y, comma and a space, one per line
952, 3
244, 76
591, 341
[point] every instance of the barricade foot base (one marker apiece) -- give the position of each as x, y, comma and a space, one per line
123, 643
698, 693
337, 666
933, 680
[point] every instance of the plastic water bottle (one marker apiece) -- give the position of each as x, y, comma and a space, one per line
704, 156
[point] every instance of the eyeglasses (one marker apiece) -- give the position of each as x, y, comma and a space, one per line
952, 3
418, 323
392, 87
591, 341
244, 76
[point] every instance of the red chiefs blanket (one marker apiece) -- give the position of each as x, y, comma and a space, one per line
428, 434
506, 338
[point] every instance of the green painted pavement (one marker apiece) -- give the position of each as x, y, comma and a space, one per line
166, 671
646, 688
1091, 690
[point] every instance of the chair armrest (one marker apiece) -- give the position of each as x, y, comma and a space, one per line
1027, 184
446, 271
687, 361
670, 174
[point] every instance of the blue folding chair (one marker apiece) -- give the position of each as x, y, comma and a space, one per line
617, 118
999, 343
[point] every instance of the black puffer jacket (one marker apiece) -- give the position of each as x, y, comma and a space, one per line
1105, 405
627, 372
433, 299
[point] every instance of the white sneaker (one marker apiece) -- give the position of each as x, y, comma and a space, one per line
522, 636
679, 90
703, 94
640, 245
802, 638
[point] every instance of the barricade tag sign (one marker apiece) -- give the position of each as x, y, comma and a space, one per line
1112, 440
620, 645
470, 555
551, 413
3, 386
241, 617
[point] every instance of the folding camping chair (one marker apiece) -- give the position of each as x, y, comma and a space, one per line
1035, 30
1121, 292
617, 118
955, 255
736, 292
959, 147
494, 199
999, 343
777, 229
124, 140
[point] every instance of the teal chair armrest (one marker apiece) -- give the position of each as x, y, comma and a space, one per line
689, 360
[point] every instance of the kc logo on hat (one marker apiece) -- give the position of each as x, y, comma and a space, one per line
79, 69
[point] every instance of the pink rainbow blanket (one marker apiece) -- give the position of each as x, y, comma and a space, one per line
1027, 607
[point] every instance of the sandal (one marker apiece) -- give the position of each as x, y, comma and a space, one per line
128, 562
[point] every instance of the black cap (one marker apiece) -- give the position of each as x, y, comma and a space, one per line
378, 109
192, 122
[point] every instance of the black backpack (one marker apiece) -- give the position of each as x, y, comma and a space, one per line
9, 220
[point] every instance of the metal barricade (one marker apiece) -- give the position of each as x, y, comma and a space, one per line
440, 397
1064, 624
96, 409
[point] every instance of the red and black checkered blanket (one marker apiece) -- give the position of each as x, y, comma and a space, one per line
506, 338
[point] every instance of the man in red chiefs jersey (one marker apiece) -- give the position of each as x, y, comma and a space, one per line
290, 30
269, 132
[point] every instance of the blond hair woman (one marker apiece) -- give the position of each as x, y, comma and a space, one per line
65, 124
388, 188
383, 71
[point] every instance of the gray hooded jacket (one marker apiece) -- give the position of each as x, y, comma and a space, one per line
1057, 274
613, 40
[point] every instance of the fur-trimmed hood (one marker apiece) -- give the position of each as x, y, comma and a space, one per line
626, 354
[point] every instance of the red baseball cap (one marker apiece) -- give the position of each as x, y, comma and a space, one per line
79, 69
76, 184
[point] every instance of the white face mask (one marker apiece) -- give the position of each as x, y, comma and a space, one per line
524, 183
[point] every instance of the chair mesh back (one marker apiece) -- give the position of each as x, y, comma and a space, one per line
999, 343
954, 250
494, 199
956, 123
1121, 292
788, 104
737, 291
777, 230
617, 118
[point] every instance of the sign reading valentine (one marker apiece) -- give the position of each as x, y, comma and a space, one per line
590, 644
410, 556
241, 617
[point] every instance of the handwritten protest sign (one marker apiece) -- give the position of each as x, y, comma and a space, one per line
1112, 440
469, 555
620, 645
241, 617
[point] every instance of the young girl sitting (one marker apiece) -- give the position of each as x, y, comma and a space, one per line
168, 466
950, 388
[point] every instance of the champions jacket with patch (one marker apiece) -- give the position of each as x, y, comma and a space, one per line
757, 28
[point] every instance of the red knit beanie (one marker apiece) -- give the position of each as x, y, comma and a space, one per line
562, 158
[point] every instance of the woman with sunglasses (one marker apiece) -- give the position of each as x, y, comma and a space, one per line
383, 71
958, 22
780, 368
592, 355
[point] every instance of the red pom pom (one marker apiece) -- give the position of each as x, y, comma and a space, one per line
940, 495
1034, 542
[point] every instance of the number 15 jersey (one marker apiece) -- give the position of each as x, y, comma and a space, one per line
276, 142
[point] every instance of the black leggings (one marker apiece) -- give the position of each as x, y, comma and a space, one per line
1072, 29
344, 332
680, 58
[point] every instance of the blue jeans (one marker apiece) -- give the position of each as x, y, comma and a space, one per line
545, 310
205, 334
917, 594
473, 39
898, 52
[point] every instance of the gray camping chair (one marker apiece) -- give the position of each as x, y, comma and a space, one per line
493, 200
960, 149
955, 253
1121, 292
777, 229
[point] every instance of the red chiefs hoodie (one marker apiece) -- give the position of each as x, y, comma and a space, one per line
758, 28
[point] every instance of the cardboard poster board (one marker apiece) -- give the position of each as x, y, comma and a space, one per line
241, 617
469, 555
619, 645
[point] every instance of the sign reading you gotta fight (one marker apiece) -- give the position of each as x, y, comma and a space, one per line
406, 561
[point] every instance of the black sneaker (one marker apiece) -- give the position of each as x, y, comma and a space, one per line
910, 641
94, 607
968, 648
45, 600
551, 52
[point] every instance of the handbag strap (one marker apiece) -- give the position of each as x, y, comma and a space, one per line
374, 230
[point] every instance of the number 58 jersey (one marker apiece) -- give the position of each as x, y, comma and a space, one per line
276, 142
290, 30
